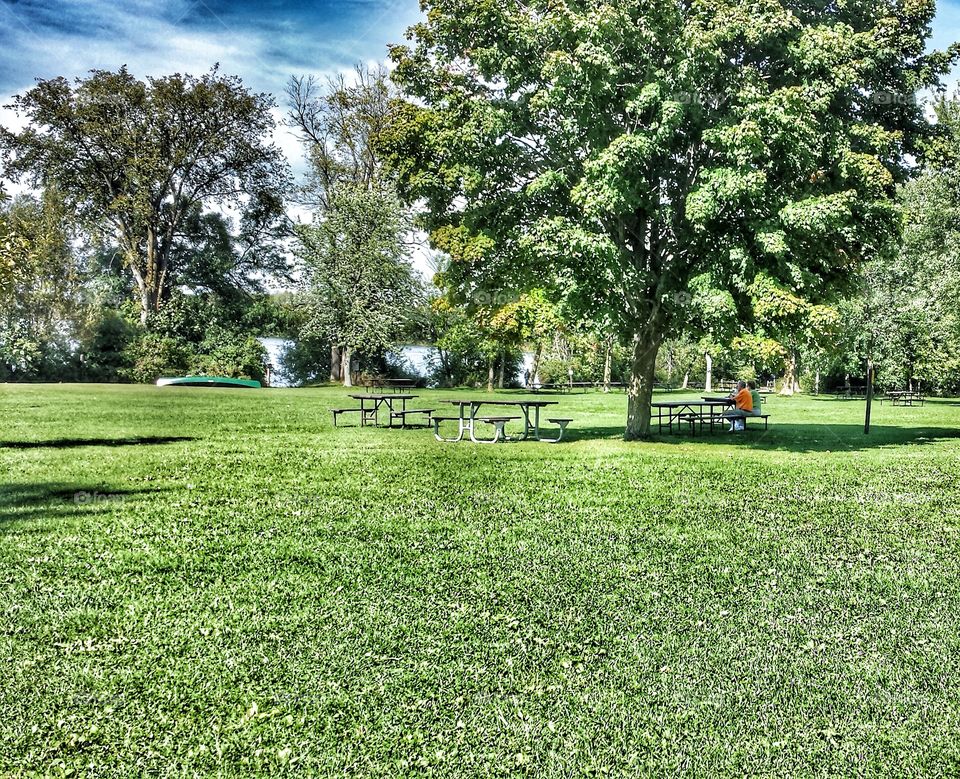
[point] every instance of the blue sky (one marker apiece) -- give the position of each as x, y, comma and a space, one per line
263, 42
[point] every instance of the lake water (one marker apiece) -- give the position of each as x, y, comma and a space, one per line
416, 358
419, 358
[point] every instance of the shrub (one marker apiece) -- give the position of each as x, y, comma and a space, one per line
151, 356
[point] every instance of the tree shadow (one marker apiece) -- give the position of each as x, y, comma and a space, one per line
71, 443
790, 437
52, 499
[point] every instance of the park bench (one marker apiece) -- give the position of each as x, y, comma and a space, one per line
905, 398
562, 422
436, 420
548, 387
764, 417
402, 415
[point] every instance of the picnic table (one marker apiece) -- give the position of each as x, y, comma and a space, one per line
680, 411
395, 384
904, 398
718, 399
467, 417
370, 404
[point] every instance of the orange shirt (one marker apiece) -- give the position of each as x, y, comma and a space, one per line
744, 400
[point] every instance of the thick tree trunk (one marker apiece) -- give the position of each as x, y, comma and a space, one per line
643, 365
335, 366
490, 374
503, 369
607, 362
346, 354
790, 384
708, 383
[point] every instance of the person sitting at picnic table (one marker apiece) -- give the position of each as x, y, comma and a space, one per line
755, 397
743, 406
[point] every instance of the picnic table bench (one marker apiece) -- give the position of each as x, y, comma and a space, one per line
709, 410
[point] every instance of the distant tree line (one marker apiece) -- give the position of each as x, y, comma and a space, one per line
157, 237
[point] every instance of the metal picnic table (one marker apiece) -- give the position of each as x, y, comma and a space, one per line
904, 397
675, 409
465, 424
370, 414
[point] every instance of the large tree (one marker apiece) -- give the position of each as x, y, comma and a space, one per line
136, 159
44, 304
360, 289
627, 147
339, 123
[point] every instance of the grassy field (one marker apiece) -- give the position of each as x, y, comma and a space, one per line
198, 582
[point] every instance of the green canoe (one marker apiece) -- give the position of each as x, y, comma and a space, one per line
208, 381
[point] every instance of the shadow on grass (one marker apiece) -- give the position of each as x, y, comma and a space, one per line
792, 437
71, 443
24, 501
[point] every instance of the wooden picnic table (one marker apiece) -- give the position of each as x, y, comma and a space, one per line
465, 423
676, 409
370, 413
394, 384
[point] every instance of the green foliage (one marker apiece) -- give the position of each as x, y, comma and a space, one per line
150, 356
624, 149
137, 161
463, 349
44, 304
107, 354
228, 353
307, 361
360, 290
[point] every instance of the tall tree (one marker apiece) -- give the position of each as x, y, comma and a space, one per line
135, 158
799, 325
44, 305
339, 123
360, 289
628, 147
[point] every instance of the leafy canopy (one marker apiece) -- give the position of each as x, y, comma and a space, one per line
136, 159
629, 147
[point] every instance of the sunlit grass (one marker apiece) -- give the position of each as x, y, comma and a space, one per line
218, 581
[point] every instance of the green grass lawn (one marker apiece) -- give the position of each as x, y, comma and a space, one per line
220, 582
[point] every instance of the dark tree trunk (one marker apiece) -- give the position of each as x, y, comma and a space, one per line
335, 363
503, 369
643, 365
